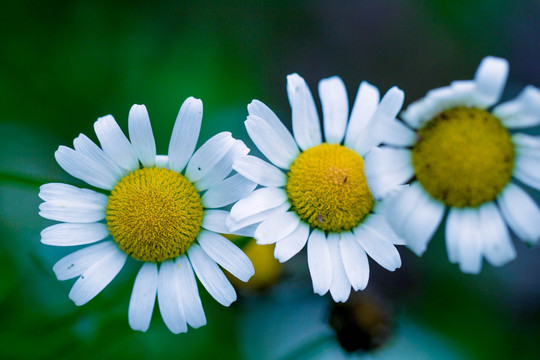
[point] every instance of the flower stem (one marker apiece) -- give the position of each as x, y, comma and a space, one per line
21, 179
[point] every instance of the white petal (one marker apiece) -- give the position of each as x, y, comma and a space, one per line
170, 303
143, 297
189, 293
97, 276
247, 231
319, 262
141, 135
79, 261
82, 167
471, 245
394, 132
355, 261
262, 111
185, 133
291, 244
70, 204
384, 115
226, 254
453, 233
215, 220
526, 169
257, 202
335, 106
378, 247
379, 223
276, 228
459, 93
70, 234
464, 93
63, 192
228, 191
211, 276
364, 107
207, 156
496, 243
521, 112
418, 113
115, 144
223, 167
259, 171
70, 212
270, 142
305, 121
390, 105
463, 239
247, 224
525, 143
527, 159
490, 79
340, 288
162, 161
400, 206
387, 168
415, 216
381, 207
88, 148
521, 213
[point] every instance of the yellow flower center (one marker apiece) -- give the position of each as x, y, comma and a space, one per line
464, 157
327, 188
154, 214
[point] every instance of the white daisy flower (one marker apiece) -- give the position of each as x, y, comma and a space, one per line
158, 210
464, 158
316, 192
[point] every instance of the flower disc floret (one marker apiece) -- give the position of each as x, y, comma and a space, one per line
464, 157
154, 214
327, 188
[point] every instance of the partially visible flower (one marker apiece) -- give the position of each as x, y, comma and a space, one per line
321, 196
362, 323
158, 211
298, 326
464, 158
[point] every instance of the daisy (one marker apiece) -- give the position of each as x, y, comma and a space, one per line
156, 210
463, 158
316, 191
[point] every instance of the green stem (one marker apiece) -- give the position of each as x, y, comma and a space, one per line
21, 179
36, 183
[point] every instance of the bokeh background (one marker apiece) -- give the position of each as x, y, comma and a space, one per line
65, 63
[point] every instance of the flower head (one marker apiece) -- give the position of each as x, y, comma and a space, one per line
464, 158
158, 210
321, 195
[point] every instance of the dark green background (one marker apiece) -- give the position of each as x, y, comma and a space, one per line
63, 64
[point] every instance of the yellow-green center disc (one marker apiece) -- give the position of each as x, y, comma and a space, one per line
464, 157
328, 189
154, 214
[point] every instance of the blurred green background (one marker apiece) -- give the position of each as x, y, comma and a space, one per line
63, 64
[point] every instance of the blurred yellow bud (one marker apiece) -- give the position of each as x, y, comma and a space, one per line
267, 268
